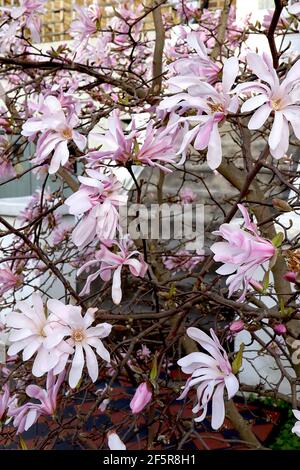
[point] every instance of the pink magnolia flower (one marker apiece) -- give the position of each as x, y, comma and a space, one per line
114, 442
266, 22
122, 21
187, 195
294, 8
98, 198
152, 149
211, 373
56, 130
118, 145
86, 23
183, 260
141, 398
81, 337
212, 105
113, 263
5, 400
28, 414
9, 280
199, 66
158, 147
26, 15
273, 97
60, 233
144, 353
242, 253
29, 332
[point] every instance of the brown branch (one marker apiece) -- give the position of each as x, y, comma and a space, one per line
65, 175
76, 67
157, 65
221, 30
42, 256
270, 34
241, 425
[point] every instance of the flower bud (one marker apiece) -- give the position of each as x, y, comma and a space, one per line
236, 326
291, 276
280, 329
141, 398
281, 205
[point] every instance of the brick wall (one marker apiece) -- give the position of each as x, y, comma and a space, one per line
60, 13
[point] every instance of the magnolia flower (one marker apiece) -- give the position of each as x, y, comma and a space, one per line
294, 8
122, 22
242, 253
183, 260
273, 97
26, 15
117, 145
113, 263
141, 398
199, 66
211, 373
86, 22
158, 147
151, 149
144, 353
114, 442
187, 195
81, 336
29, 333
212, 105
98, 198
28, 414
8, 280
5, 400
267, 19
57, 131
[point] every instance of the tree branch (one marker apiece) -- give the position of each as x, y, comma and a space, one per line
270, 35
157, 64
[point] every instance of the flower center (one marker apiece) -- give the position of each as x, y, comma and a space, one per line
78, 336
42, 333
276, 104
67, 133
216, 107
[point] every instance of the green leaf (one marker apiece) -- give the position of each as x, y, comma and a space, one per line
266, 281
278, 239
153, 373
238, 360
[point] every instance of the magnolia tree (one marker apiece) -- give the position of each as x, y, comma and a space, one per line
112, 124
